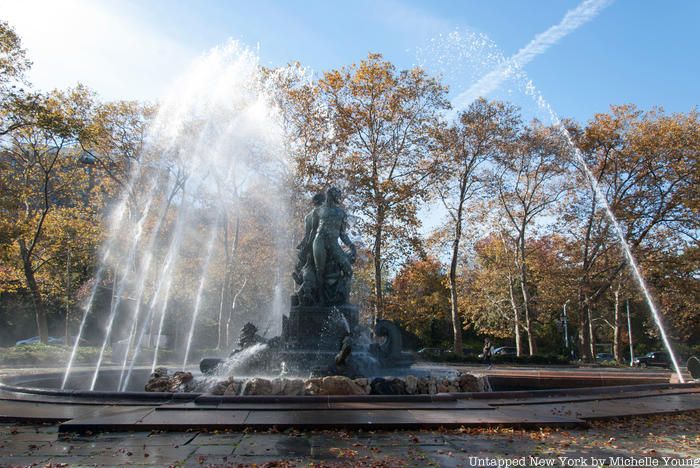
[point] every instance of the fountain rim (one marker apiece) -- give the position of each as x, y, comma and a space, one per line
11, 388
83, 411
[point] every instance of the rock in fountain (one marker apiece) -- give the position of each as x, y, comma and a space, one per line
161, 381
322, 334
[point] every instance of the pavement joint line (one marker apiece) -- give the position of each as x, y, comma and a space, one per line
192, 438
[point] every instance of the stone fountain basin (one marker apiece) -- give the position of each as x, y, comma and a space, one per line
500, 380
78, 385
37, 397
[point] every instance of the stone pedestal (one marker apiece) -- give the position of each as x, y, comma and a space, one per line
319, 328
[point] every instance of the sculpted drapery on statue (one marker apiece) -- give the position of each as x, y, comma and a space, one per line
324, 269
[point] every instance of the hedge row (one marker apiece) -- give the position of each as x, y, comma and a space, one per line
46, 355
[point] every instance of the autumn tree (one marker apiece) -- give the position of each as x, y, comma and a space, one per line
478, 134
644, 166
13, 67
382, 121
13, 58
15, 101
674, 276
527, 184
488, 296
115, 140
305, 120
419, 296
45, 179
489, 287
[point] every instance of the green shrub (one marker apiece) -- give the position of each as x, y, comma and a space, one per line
38, 354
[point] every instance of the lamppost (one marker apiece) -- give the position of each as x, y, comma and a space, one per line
566, 325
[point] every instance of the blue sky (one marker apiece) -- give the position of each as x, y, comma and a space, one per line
634, 51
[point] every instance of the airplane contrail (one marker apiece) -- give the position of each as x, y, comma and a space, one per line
573, 19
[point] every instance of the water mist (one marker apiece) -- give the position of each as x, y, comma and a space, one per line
215, 147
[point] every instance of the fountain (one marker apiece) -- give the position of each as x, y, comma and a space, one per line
217, 129
321, 334
215, 150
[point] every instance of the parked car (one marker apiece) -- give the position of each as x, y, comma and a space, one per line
505, 351
35, 339
501, 351
654, 358
604, 357
52, 341
434, 351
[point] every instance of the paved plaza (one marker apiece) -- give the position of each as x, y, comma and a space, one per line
638, 440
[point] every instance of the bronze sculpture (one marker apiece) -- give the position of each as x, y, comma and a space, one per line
324, 269
305, 271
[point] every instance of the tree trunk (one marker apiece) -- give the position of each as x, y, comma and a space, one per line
68, 297
230, 314
526, 296
516, 318
223, 300
224, 286
591, 331
583, 329
39, 311
379, 297
456, 320
176, 340
528, 322
617, 333
226, 301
